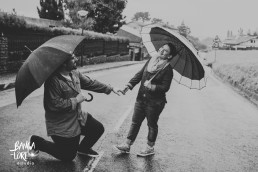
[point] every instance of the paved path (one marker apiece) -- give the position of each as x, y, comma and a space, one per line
7, 80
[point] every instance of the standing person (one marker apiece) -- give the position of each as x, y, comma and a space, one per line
151, 97
65, 120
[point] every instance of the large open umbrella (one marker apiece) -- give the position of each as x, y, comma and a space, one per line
42, 62
188, 70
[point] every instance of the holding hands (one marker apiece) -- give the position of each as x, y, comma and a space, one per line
116, 91
123, 90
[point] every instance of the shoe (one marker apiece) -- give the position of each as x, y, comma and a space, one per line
89, 152
146, 152
123, 148
32, 152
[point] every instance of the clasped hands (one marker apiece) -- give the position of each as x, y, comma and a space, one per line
80, 97
123, 90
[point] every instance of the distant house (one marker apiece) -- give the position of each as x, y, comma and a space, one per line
135, 41
131, 33
242, 43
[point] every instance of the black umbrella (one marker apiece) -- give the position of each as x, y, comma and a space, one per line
42, 62
188, 70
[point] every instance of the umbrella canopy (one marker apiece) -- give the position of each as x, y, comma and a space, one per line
188, 70
42, 62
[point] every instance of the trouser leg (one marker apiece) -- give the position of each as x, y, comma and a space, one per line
92, 131
153, 112
62, 148
137, 119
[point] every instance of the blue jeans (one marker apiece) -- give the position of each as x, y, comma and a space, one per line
149, 110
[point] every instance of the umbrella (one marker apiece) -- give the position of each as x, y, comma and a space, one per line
188, 70
42, 62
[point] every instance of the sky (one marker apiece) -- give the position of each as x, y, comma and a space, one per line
205, 18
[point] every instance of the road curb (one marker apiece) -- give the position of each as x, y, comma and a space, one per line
248, 95
11, 85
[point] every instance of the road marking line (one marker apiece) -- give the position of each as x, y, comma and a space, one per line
94, 164
115, 130
122, 119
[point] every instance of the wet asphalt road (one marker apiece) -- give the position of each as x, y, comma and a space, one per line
214, 129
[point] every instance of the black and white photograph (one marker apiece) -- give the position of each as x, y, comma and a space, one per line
128, 85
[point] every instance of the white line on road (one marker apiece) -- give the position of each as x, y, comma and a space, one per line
115, 130
121, 120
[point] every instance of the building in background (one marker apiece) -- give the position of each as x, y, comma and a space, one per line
243, 42
132, 31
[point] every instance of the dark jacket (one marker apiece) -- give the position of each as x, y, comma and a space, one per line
61, 108
161, 82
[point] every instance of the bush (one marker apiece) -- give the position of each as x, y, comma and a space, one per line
12, 24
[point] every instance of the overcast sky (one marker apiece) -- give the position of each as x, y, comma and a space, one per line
206, 18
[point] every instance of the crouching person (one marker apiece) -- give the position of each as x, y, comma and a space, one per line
65, 120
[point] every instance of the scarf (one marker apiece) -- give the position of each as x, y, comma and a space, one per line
156, 64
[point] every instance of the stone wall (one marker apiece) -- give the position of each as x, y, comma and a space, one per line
84, 60
3, 53
13, 52
12, 66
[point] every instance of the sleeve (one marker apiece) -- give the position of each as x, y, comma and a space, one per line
166, 82
137, 77
53, 100
93, 85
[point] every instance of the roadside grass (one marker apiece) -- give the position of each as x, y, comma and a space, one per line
239, 69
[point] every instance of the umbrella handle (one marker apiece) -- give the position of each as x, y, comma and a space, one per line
91, 98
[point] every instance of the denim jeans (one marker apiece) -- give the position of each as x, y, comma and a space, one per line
65, 149
151, 111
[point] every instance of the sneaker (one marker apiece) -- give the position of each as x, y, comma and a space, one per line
32, 152
123, 148
89, 152
146, 152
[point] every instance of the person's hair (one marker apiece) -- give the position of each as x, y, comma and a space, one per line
69, 58
172, 48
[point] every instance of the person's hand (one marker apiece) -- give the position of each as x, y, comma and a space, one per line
124, 89
80, 98
147, 84
116, 91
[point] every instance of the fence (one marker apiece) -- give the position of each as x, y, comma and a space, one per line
90, 50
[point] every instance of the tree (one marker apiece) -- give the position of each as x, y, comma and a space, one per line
156, 20
51, 9
228, 34
240, 32
249, 32
108, 15
184, 30
167, 25
144, 16
103, 15
196, 43
74, 7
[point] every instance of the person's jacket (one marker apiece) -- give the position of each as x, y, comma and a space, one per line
160, 84
61, 108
